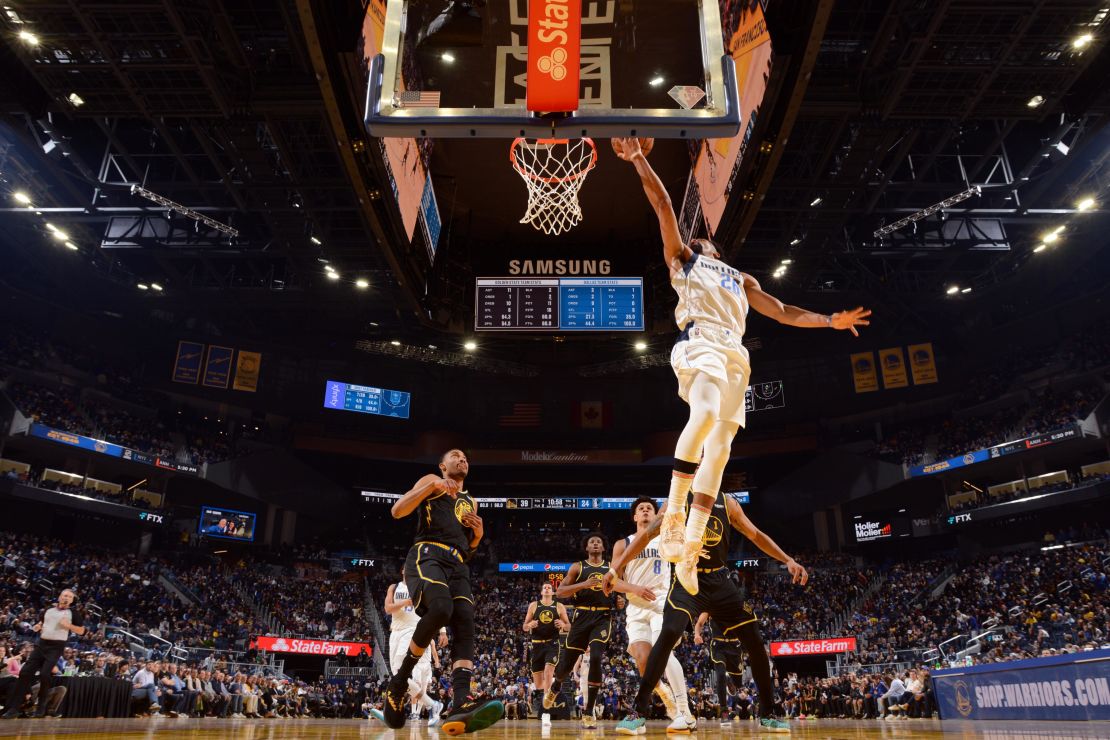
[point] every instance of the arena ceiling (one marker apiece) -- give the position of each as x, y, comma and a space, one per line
249, 112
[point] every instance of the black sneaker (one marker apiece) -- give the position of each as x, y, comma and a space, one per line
476, 713
394, 701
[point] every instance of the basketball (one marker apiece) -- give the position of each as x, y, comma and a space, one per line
645, 145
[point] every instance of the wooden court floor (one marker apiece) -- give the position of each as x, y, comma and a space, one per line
106, 729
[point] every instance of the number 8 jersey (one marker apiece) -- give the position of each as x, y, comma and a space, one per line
710, 292
648, 569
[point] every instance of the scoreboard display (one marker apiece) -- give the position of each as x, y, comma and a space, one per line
366, 399
559, 304
598, 504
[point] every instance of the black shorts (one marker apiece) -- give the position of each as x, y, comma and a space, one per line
431, 566
718, 595
725, 652
589, 626
544, 652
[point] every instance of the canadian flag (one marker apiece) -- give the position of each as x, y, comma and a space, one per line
594, 415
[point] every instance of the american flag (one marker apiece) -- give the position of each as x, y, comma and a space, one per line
523, 415
418, 99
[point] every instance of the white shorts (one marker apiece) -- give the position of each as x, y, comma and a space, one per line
718, 353
399, 648
643, 625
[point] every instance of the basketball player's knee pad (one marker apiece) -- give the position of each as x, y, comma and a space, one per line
438, 609
462, 630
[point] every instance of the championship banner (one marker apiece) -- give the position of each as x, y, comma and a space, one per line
186, 368
923, 364
863, 372
309, 647
217, 370
794, 648
1062, 687
894, 368
246, 371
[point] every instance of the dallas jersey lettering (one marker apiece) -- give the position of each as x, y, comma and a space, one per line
404, 620
710, 292
648, 569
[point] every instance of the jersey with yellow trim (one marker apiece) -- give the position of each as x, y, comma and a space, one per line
546, 614
594, 596
440, 520
715, 541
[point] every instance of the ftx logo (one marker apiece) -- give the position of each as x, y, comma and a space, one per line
148, 517
959, 519
362, 562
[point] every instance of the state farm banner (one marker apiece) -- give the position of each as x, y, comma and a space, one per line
309, 647
827, 646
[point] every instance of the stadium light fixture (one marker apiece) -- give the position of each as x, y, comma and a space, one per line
952, 289
816, 201
50, 226
142, 286
795, 242
362, 283
448, 57
788, 261
1040, 247
928, 211
395, 343
22, 198
1082, 41
28, 38
315, 241
470, 345
656, 81
333, 275
640, 346
1086, 204
1036, 101
71, 245
1050, 237
184, 211
965, 290
156, 287
75, 100
59, 235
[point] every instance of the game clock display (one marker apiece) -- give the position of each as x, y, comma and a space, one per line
559, 304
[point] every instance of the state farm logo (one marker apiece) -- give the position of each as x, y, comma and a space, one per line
280, 646
814, 647
554, 64
786, 649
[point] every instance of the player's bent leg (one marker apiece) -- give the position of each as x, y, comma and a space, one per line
704, 396
437, 607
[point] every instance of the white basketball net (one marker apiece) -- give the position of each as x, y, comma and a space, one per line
553, 170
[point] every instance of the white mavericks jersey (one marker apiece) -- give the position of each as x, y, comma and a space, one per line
648, 569
404, 620
710, 292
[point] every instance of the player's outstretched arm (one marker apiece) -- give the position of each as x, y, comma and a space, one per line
424, 487
675, 251
738, 519
771, 307
634, 548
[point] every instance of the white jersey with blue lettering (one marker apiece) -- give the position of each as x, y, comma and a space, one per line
710, 292
650, 570
404, 620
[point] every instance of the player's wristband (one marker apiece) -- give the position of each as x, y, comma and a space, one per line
615, 575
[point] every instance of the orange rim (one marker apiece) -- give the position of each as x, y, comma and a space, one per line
552, 142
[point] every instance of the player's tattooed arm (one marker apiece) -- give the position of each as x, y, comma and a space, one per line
744, 525
424, 488
773, 308
529, 623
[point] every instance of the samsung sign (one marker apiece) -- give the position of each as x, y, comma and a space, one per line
1063, 687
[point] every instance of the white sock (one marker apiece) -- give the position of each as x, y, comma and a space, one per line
677, 680
695, 523
680, 486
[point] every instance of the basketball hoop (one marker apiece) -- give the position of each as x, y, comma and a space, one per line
554, 171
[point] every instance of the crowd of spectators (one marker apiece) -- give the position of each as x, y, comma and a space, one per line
981, 499
307, 607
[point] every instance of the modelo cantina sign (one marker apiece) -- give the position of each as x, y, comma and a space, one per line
309, 647
814, 647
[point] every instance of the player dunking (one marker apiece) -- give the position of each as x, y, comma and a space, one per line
436, 572
398, 604
644, 581
719, 596
592, 625
544, 621
711, 364
724, 654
